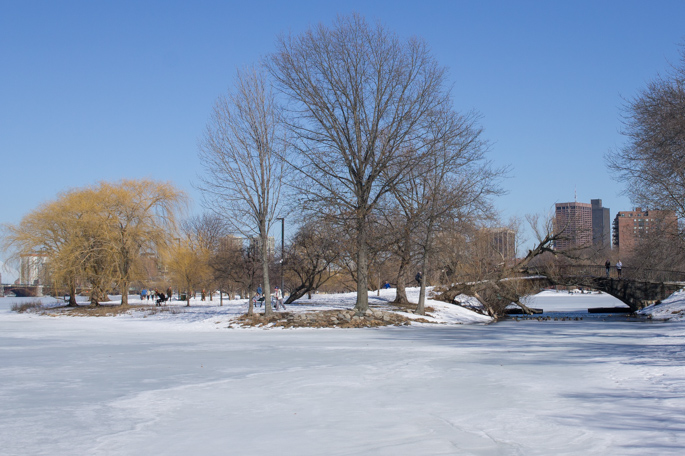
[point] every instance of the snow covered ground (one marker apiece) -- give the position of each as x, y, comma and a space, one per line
211, 315
559, 301
671, 309
179, 384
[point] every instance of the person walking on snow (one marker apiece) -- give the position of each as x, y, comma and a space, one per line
278, 298
418, 278
619, 265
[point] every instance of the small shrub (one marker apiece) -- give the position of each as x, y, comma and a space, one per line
29, 306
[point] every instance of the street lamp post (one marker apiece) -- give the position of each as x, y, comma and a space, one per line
282, 219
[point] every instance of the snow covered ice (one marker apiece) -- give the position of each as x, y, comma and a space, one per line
185, 384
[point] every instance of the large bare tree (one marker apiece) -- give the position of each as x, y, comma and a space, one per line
454, 181
242, 153
359, 97
652, 162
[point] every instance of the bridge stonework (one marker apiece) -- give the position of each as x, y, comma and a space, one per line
636, 294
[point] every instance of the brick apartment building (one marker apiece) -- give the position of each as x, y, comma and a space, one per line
632, 226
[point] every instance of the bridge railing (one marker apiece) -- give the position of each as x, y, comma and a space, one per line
627, 272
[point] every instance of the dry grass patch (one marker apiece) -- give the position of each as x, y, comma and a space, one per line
30, 306
108, 310
329, 319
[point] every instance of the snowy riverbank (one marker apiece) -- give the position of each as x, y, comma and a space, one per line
211, 315
671, 309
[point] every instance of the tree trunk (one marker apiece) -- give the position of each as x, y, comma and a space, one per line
250, 305
125, 273
421, 308
299, 291
221, 297
362, 268
264, 237
124, 293
405, 260
485, 305
523, 307
94, 296
72, 295
401, 294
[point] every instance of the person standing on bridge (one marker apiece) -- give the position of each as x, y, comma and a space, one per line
619, 265
607, 265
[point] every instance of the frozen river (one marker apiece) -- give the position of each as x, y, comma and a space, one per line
105, 386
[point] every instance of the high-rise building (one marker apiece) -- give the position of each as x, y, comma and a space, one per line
32, 270
575, 219
270, 244
632, 226
601, 225
230, 242
503, 241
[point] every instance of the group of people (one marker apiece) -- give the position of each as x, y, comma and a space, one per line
276, 298
158, 296
619, 266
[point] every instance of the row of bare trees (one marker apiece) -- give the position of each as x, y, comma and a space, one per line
320, 257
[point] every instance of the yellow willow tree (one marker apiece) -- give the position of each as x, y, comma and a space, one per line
140, 216
188, 261
97, 234
70, 233
93, 254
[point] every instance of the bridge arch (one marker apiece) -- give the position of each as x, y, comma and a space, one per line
636, 288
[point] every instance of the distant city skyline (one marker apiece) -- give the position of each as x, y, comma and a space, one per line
94, 91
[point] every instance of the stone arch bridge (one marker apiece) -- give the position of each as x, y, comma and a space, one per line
636, 287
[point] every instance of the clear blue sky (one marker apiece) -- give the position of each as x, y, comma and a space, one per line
107, 90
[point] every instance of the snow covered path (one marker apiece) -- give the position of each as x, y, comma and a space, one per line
105, 386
